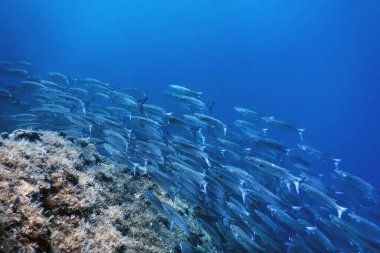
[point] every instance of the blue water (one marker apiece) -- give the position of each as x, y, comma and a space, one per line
313, 64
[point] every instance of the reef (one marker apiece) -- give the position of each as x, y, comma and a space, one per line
57, 194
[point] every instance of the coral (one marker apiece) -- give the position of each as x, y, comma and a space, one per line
58, 195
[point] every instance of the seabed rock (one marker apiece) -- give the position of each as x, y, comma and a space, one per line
58, 195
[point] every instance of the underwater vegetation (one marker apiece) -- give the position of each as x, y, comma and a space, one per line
58, 195
166, 181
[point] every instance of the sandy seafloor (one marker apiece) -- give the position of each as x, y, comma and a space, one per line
57, 194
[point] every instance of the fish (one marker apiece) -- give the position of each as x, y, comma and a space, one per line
23, 63
280, 124
53, 108
89, 80
20, 73
249, 113
154, 201
79, 121
176, 218
276, 171
195, 121
59, 78
314, 152
156, 112
211, 121
32, 85
185, 91
269, 222
245, 239
282, 216
116, 140
5, 94
168, 211
123, 100
114, 153
366, 188
188, 101
371, 242
52, 85
319, 240
24, 117
72, 102
238, 183
364, 226
324, 199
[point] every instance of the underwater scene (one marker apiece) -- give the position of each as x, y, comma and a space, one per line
189, 126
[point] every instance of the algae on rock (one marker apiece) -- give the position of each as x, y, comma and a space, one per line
58, 195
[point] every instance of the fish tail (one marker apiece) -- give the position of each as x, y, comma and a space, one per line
340, 210
194, 131
210, 107
225, 129
297, 186
141, 104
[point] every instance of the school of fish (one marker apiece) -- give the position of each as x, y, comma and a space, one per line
251, 192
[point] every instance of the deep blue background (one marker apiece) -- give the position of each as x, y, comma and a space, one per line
313, 63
